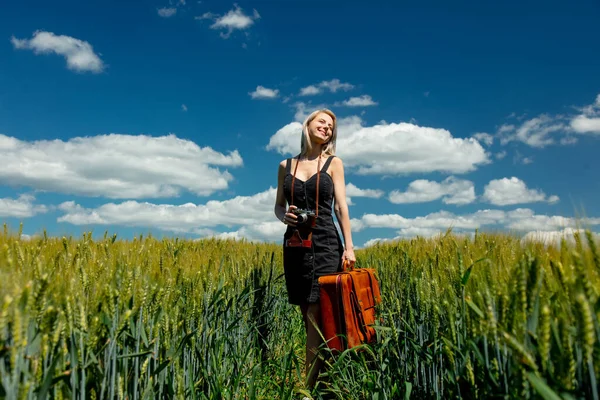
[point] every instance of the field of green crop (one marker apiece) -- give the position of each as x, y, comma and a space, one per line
461, 317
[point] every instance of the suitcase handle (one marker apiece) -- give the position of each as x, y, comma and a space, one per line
345, 265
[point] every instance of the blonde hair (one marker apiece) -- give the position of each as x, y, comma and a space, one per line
329, 147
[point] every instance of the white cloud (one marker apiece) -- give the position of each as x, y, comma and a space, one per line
506, 128
264, 231
441, 221
451, 190
362, 101
391, 149
116, 166
262, 92
555, 237
79, 54
406, 233
252, 214
589, 119
374, 241
584, 124
500, 155
485, 138
521, 219
310, 90
260, 224
167, 12
22, 207
353, 191
287, 139
184, 108
333, 86
567, 140
545, 130
524, 219
234, 19
527, 160
545, 237
535, 132
207, 15
303, 110
519, 158
510, 191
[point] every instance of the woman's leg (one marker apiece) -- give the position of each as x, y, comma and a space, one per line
312, 320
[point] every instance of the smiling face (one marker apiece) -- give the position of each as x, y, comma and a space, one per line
321, 128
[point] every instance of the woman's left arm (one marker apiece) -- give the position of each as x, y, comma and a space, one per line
341, 207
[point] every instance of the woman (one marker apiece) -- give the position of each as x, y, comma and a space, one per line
313, 248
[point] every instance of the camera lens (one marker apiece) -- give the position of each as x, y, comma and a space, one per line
302, 218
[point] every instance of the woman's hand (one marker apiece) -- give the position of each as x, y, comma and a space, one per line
349, 256
289, 217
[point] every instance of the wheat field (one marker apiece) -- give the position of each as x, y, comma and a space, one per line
479, 316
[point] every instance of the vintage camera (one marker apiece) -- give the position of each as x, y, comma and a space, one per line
304, 217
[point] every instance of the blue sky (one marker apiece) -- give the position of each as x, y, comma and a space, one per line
170, 117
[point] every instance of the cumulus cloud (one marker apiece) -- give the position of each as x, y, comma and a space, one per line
210, 218
353, 191
519, 220
262, 92
589, 119
234, 19
555, 237
546, 237
485, 138
251, 215
167, 12
500, 155
361, 101
21, 207
286, 140
524, 219
310, 90
451, 190
509, 191
536, 132
392, 149
332, 85
116, 166
519, 158
407, 233
79, 54
260, 232
546, 129
303, 110
585, 124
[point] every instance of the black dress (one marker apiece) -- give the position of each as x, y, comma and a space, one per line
303, 265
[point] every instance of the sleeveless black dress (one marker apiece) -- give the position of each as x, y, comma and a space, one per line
303, 265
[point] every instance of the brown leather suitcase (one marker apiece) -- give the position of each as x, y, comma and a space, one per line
348, 301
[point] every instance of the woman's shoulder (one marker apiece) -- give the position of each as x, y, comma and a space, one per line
336, 162
284, 162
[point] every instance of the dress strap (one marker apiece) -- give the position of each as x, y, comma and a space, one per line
327, 163
288, 166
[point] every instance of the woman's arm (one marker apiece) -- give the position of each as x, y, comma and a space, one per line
341, 207
280, 202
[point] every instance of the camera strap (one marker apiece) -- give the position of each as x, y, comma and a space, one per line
318, 177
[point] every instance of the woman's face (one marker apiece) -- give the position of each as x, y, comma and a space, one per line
320, 128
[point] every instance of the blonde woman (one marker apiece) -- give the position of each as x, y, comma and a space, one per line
312, 245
